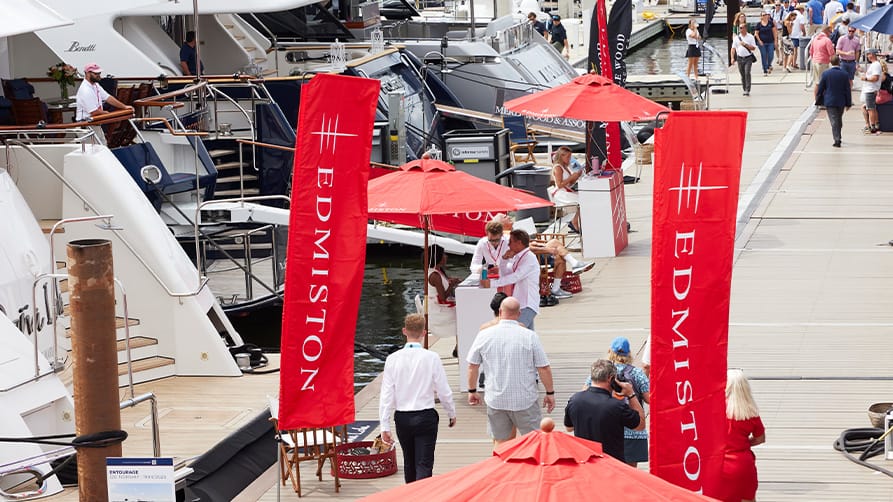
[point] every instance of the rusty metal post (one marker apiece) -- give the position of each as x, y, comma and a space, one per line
95, 353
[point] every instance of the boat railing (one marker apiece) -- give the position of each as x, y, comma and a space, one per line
203, 281
510, 39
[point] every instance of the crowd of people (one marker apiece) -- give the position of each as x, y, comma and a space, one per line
610, 409
789, 34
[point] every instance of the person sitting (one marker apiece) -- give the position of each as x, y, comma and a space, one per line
564, 178
441, 290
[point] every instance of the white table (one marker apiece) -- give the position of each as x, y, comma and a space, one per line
472, 310
602, 215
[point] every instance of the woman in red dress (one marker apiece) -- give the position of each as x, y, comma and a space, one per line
745, 429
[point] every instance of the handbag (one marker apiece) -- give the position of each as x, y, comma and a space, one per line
883, 97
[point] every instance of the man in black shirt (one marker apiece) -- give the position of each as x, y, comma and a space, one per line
600, 413
558, 36
538, 25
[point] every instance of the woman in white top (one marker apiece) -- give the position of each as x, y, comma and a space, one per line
441, 291
563, 193
693, 53
743, 45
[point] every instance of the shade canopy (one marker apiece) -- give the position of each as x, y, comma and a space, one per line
432, 194
544, 467
588, 97
881, 21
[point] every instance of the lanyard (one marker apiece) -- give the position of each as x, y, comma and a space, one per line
518, 260
495, 256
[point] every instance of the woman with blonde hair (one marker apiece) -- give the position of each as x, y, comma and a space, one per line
693, 52
745, 430
564, 177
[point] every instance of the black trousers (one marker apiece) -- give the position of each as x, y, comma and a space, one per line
417, 433
835, 116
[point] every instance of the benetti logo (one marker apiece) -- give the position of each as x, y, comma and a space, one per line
686, 187
77, 47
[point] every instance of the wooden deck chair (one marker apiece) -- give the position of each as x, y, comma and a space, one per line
303, 445
520, 138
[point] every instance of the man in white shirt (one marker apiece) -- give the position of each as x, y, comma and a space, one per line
511, 356
832, 9
411, 379
521, 270
490, 248
871, 84
91, 96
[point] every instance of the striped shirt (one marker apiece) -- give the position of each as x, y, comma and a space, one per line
509, 355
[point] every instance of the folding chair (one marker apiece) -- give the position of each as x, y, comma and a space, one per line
519, 137
302, 445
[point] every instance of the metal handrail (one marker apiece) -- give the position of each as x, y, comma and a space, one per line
153, 402
124, 241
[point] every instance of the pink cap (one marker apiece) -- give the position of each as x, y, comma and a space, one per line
92, 68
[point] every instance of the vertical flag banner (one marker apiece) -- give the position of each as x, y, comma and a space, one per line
695, 203
326, 251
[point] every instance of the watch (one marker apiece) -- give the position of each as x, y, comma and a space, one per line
472, 391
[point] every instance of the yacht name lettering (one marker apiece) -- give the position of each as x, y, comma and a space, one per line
77, 47
24, 322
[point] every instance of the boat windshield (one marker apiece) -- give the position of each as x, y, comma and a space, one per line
308, 23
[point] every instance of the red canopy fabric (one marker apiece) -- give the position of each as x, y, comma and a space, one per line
588, 97
454, 201
544, 467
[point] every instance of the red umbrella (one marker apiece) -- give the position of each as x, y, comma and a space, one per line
588, 97
433, 195
544, 466
436, 190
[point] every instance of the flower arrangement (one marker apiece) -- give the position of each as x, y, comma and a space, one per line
64, 75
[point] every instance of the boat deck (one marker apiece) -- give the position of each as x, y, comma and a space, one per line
810, 305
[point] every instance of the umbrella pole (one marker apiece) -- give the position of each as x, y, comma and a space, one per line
425, 270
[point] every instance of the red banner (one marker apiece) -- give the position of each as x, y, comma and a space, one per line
695, 204
326, 251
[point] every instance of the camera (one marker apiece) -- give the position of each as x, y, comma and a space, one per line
616, 386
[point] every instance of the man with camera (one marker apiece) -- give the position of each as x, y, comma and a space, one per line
600, 412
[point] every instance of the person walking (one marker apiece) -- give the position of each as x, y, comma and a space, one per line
848, 50
597, 415
871, 84
743, 46
693, 52
766, 35
835, 94
820, 50
412, 378
745, 430
511, 356
558, 37
789, 50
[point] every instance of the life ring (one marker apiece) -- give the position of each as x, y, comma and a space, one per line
648, 15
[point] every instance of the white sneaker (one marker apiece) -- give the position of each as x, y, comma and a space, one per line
583, 267
561, 294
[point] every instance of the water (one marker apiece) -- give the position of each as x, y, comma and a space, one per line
392, 279
665, 56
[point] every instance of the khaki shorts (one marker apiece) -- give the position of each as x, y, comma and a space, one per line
501, 422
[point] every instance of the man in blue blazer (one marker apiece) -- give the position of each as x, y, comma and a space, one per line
835, 94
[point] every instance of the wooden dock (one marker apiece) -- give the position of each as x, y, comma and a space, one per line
810, 305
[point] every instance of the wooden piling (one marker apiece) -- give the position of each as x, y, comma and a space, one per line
94, 349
